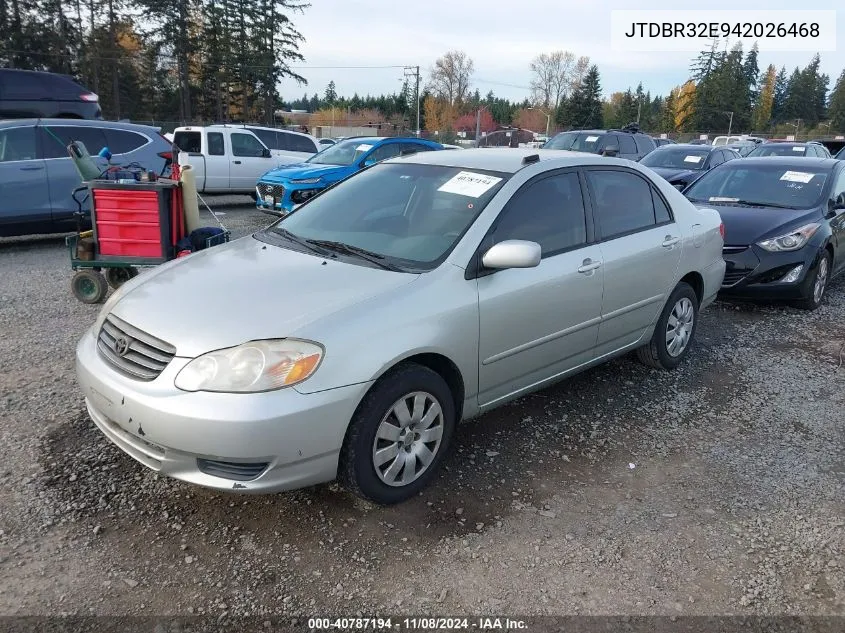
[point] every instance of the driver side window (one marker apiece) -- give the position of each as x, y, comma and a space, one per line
246, 145
549, 211
838, 192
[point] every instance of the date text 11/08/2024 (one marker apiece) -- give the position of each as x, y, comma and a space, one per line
417, 624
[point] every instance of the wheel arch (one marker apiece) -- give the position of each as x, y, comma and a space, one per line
696, 281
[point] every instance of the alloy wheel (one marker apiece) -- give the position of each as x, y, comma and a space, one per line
679, 327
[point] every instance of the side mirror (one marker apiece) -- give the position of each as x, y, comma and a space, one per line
679, 186
512, 254
265, 153
367, 162
610, 150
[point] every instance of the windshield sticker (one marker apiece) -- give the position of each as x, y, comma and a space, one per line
363, 148
591, 139
721, 199
468, 183
797, 149
797, 176
693, 159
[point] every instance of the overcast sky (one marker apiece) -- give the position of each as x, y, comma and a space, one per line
501, 36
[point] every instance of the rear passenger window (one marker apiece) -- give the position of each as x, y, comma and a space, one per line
123, 141
661, 211
644, 144
415, 147
297, 143
92, 137
23, 85
716, 159
622, 202
548, 211
626, 144
215, 144
270, 138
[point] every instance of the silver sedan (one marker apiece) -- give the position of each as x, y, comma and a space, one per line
349, 338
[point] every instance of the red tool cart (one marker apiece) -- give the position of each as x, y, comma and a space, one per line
133, 224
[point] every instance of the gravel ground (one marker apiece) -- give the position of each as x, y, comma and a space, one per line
715, 489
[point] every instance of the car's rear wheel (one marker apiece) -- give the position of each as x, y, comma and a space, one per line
816, 284
399, 435
674, 332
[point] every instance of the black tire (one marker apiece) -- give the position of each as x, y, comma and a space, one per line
89, 286
656, 352
811, 300
357, 469
116, 277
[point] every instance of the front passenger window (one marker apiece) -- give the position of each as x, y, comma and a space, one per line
548, 211
383, 153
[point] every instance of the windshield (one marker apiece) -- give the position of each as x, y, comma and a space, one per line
762, 185
575, 142
411, 215
343, 153
676, 157
776, 149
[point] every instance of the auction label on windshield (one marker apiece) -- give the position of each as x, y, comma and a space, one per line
797, 176
692, 159
692, 31
469, 183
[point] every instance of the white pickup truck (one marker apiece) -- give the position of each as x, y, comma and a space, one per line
231, 159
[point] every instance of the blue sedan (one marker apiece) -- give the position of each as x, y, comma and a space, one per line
283, 188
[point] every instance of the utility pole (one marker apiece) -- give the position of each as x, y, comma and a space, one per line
731, 122
413, 72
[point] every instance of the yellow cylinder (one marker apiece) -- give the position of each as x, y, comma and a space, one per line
189, 198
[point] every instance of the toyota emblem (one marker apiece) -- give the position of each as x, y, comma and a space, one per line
121, 345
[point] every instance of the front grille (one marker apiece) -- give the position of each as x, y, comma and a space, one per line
231, 470
135, 353
733, 277
265, 189
733, 250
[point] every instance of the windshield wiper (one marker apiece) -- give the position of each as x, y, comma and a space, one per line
755, 203
299, 240
363, 253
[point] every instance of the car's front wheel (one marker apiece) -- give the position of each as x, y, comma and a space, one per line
674, 332
816, 284
399, 435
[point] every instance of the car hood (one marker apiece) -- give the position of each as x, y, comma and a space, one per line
307, 170
747, 225
245, 290
673, 174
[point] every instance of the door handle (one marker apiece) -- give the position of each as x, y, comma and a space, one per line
588, 265
236, 162
670, 241
32, 168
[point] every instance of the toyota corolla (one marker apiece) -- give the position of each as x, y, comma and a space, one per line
349, 338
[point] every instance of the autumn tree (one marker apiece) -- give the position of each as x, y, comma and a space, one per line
439, 114
765, 99
450, 77
530, 119
684, 104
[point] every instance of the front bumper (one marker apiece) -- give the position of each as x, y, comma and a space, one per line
249, 443
753, 273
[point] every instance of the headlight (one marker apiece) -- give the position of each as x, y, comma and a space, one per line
306, 181
251, 367
791, 241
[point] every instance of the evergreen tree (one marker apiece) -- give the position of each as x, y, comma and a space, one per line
584, 107
779, 96
836, 107
330, 98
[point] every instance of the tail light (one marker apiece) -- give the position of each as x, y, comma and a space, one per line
722, 229
166, 155
90, 97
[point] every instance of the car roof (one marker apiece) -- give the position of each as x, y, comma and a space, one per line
118, 125
502, 159
796, 162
